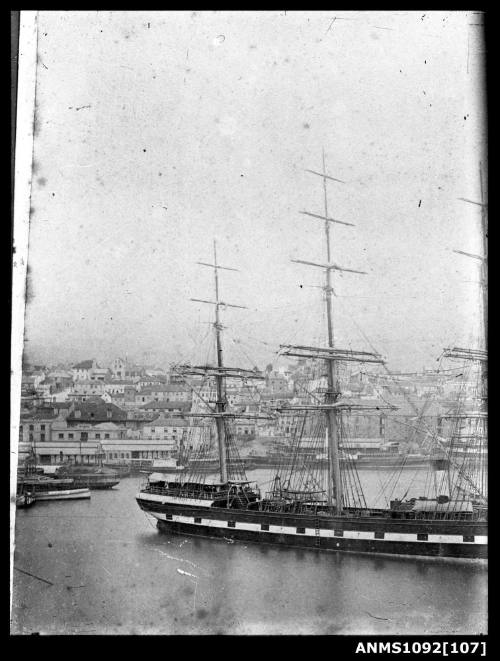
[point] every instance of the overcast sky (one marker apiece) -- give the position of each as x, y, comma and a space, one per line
160, 131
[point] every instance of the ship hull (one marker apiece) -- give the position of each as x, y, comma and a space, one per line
120, 469
356, 534
90, 478
364, 462
66, 494
341, 545
94, 482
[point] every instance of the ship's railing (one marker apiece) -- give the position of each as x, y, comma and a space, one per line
242, 495
186, 493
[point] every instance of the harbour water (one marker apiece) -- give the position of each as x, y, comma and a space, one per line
109, 571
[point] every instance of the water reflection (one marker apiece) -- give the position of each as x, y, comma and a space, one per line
422, 568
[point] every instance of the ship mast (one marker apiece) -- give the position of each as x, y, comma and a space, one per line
483, 259
478, 355
484, 281
219, 379
484, 269
334, 492
330, 354
220, 373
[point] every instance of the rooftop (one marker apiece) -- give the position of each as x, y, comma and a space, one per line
97, 410
38, 415
161, 421
87, 382
168, 388
166, 406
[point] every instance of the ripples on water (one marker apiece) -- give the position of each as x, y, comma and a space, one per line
114, 573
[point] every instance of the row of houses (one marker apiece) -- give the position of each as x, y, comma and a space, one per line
122, 411
87, 430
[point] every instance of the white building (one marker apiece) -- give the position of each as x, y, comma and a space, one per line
82, 370
167, 429
115, 386
87, 387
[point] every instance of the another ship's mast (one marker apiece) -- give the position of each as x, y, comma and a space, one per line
483, 259
478, 355
484, 282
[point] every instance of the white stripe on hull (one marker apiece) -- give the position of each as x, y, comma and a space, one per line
64, 495
311, 532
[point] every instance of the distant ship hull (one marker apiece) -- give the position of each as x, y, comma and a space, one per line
95, 481
363, 462
362, 534
392, 461
87, 477
123, 470
203, 466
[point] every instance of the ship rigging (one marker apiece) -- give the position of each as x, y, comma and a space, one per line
298, 511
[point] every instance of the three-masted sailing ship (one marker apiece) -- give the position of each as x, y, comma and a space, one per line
302, 511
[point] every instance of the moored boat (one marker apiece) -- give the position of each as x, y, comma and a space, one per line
32, 481
169, 465
362, 461
48, 488
64, 494
25, 499
122, 469
92, 477
204, 465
